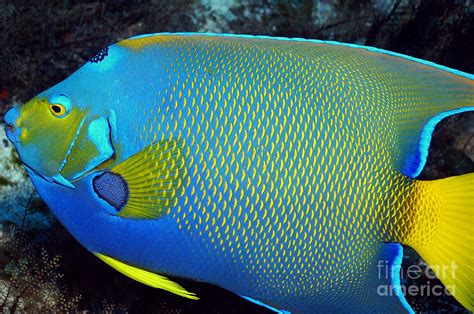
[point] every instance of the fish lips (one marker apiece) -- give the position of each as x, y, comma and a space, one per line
11, 130
12, 133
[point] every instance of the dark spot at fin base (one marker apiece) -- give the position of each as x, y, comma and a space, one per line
112, 188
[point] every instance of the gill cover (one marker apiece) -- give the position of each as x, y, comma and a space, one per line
92, 147
59, 141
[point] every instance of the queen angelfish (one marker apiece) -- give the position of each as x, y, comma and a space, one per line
283, 170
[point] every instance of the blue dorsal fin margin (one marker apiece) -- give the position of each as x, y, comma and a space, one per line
416, 161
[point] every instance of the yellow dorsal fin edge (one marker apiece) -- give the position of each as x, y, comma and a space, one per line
147, 278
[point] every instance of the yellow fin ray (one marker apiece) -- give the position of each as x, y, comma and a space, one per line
444, 233
154, 178
147, 278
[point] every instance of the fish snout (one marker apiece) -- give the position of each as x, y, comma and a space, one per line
12, 115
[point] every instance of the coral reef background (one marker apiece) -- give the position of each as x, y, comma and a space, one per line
42, 268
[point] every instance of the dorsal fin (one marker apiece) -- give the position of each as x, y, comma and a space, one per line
146, 277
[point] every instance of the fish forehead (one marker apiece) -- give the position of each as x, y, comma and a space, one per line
276, 142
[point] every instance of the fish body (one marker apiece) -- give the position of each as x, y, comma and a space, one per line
278, 169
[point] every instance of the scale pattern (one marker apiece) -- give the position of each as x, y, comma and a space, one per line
293, 157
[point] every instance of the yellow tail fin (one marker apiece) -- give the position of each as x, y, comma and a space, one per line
444, 232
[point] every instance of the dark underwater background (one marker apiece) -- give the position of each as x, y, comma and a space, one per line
43, 269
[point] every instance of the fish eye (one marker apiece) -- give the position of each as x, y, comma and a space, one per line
60, 105
57, 110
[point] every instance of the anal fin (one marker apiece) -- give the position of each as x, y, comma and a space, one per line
382, 292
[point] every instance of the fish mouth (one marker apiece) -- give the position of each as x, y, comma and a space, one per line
10, 133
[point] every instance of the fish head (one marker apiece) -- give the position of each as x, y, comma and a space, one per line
57, 138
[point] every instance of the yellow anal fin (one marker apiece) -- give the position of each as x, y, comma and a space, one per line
147, 278
154, 177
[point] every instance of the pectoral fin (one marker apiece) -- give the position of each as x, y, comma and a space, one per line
146, 185
147, 278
